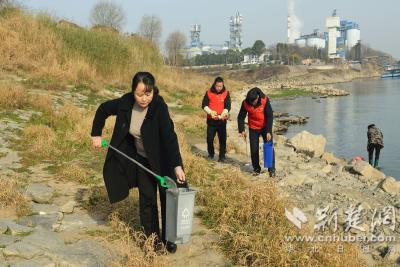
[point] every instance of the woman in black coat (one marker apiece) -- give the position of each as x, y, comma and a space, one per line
144, 131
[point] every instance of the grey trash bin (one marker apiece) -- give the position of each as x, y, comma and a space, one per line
179, 217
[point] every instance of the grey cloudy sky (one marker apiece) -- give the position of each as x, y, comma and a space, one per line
263, 19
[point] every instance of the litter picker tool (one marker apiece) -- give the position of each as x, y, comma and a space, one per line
179, 204
165, 181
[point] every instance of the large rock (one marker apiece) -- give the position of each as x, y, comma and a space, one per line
15, 229
6, 240
3, 227
39, 193
44, 209
296, 180
22, 250
46, 240
88, 253
327, 169
79, 221
330, 158
393, 254
68, 207
47, 221
279, 139
390, 185
367, 171
309, 144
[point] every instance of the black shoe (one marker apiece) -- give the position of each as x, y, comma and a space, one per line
222, 159
158, 247
171, 247
210, 157
256, 172
272, 173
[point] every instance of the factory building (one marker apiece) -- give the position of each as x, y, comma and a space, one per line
314, 39
198, 48
343, 35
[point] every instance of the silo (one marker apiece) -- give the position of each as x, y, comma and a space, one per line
301, 42
316, 42
353, 36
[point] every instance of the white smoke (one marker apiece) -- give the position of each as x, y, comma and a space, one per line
295, 23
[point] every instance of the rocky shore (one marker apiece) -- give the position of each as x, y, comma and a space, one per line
316, 180
301, 76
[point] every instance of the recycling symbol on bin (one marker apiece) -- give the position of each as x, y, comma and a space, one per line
185, 216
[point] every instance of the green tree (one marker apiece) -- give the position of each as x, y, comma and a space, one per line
248, 51
258, 47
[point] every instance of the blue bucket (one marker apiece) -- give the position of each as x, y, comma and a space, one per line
268, 154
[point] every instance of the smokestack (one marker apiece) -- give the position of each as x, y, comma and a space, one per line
289, 28
294, 23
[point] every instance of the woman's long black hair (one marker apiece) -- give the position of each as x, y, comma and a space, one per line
147, 79
253, 94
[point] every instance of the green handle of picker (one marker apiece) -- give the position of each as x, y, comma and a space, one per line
165, 181
104, 143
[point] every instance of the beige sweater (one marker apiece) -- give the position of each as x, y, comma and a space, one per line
138, 115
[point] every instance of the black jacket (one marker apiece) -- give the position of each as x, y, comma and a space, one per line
159, 140
268, 116
206, 101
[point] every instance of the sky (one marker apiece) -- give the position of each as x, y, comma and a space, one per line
263, 19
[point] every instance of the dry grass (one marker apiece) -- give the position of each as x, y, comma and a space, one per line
10, 193
12, 96
126, 239
135, 249
39, 141
76, 173
41, 102
66, 116
250, 220
55, 55
11, 196
27, 44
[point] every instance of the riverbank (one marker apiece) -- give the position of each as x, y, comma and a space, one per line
313, 179
343, 121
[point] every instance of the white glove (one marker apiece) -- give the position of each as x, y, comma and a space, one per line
207, 110
224, 113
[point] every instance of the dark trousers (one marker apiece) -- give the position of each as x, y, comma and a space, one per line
254, 136
371, 148
220, 129
148, 210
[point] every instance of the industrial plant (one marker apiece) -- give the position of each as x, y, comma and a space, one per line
341, 36
235, 39
340, 40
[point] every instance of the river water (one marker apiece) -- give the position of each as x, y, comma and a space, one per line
344, 120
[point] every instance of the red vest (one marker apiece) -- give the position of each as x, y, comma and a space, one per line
216, 101
256, 115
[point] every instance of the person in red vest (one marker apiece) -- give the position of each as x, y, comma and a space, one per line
217, 104
260, 118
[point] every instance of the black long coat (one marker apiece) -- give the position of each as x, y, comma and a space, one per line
159, 140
